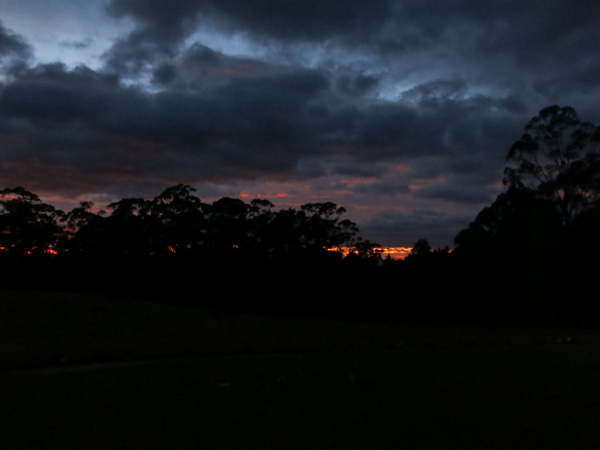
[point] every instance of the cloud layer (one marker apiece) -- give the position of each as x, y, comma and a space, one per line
401, 113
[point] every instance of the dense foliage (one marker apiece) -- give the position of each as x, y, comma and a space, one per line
536, 248
175, 245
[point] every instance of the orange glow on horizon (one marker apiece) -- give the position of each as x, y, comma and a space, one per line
396, 252
385, 252
392, 252
50, 251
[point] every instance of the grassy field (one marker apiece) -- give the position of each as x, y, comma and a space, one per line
98, 372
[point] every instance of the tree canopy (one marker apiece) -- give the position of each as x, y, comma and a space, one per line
558, 159
26, 224
541, 235
552, 178
174, 222
227, 252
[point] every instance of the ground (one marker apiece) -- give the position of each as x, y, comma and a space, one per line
90, 371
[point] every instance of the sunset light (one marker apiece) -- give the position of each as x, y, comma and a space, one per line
395, 252
385, 252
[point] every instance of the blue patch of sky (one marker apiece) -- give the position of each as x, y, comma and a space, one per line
74, 32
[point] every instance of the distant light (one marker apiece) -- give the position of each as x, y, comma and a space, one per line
392, 252
395, 252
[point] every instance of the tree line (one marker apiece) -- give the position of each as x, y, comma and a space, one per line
538, 244
175, 224
532, 256
245, 255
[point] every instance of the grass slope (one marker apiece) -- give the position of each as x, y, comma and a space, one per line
98, 372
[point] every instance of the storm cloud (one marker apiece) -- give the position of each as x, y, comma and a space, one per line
13, 47
400, 111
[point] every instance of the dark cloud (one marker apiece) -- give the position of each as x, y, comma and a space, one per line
409, 106
436, 90
444, 125
308, 20
458, 193
245, 128
382, 187
76, 44
357, 85
524, 32
13, 46
504, 37
275, 122
201, 68
169, 21
160, 27
532, 31
164, 74
50, 94
435, 226
580, 81
137, 52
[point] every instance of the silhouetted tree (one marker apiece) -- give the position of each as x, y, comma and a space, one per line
556, 159
129, 231
83, 227
181, 221
246, 255
420, 248
517, 224
526, 248
26, 224
227, 220
554, 176
281, 236
82, 216
323, 229
364, 253
260, 215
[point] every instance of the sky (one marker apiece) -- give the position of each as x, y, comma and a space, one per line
400, 111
